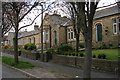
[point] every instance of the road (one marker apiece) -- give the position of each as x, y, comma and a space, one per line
10, 73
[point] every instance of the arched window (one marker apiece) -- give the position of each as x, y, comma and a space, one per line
99, 32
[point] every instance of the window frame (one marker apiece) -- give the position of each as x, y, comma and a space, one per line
68, 34
46, 36
119, 25
114, 23
71, 34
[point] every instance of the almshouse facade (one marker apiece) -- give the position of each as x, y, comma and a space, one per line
58, 30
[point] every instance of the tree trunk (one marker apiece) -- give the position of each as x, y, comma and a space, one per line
88, 59
77, 43
16, 46
42, 56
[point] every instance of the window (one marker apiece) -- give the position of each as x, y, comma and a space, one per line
71, 33
119, 25
68, 34
74, 35
23, 41
46, 35
19, 42
29, 40
34, 40
43, 36
114, 26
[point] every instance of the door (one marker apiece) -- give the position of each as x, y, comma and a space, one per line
55, 38
99, 32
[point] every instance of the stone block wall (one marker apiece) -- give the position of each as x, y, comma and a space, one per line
97, 64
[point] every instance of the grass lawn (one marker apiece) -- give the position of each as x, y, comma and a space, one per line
21, 65
111, 54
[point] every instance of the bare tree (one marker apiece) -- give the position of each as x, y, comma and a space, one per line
86, 19
15, 13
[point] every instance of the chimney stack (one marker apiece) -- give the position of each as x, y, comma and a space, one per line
36, 27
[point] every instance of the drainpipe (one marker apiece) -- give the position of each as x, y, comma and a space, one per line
50, 36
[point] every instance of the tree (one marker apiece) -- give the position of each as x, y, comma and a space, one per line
15, 12
72, 12
82, 18
86, 19
12, 11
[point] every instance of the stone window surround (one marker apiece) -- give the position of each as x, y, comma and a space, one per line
68, 34
114, 23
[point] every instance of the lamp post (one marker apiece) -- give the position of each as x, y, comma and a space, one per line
42, 56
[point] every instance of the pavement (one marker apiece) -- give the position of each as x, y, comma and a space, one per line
64, 70
10, 73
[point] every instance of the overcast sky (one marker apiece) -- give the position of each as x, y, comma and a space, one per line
38, 20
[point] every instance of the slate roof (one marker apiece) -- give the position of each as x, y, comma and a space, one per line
107, 12
25, 34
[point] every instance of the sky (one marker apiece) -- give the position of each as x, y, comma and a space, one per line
38, 20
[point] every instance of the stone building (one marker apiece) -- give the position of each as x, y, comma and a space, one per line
58, 30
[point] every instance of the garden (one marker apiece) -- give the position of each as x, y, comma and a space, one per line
68, 50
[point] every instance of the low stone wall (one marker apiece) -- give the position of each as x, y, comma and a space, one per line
28, 54
97, 64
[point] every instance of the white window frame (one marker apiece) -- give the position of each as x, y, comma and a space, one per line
114, 28
69, 34
71, 31
46, 36
119, 25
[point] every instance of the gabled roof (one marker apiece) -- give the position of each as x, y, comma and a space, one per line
25, 34
107, 12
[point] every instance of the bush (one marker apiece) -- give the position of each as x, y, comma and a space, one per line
82, 45
6, 47
101, 56
26, 46
94, 56
65, 48
81, 54
30, 46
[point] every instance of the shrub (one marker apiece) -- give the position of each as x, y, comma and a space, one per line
30, 46
65, 48
99, 56
81, 54
50, 51
26, 46
6, 47
94, 56
103, 56
82, 45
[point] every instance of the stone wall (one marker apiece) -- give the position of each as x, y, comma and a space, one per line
97, 64
28, 54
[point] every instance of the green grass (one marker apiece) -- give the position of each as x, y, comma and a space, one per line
21, 65
111, 54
